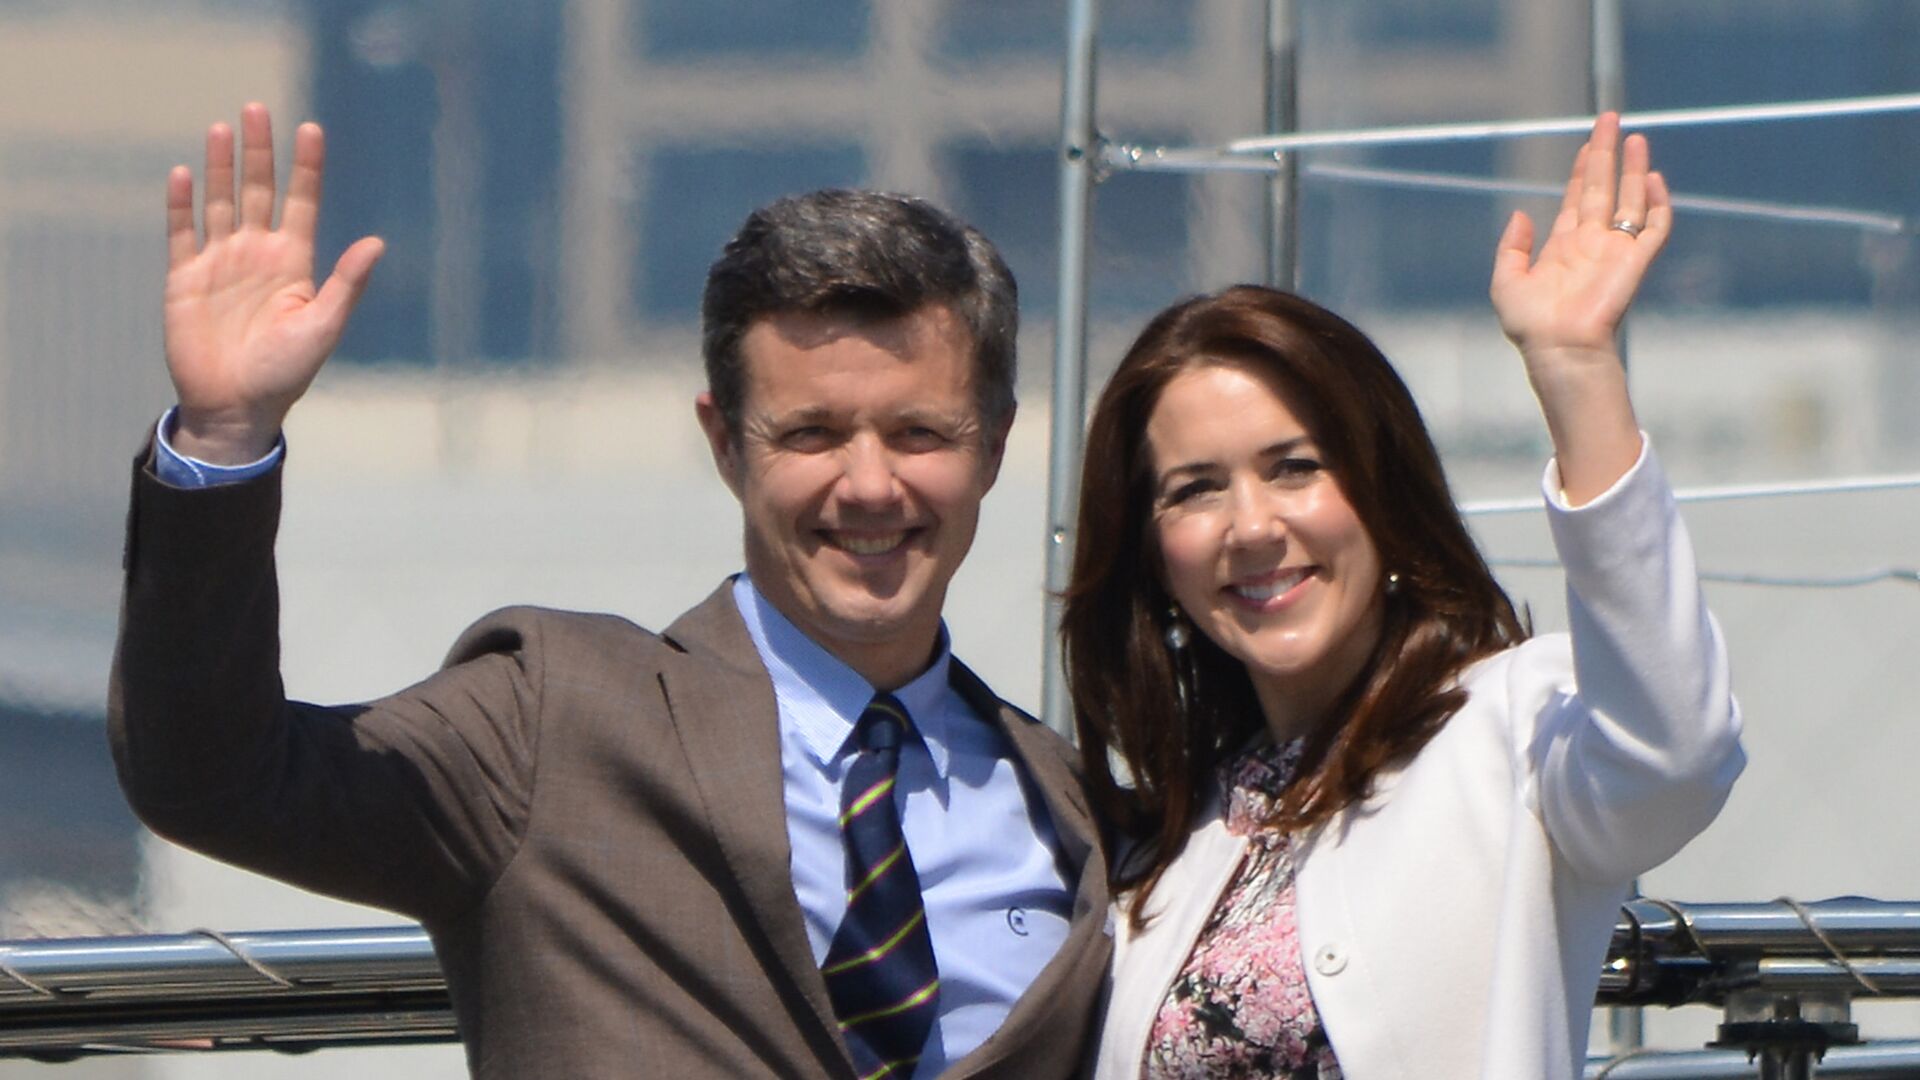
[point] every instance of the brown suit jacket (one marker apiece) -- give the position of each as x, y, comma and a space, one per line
587, 817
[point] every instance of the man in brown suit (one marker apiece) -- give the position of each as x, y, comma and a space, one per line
627, 846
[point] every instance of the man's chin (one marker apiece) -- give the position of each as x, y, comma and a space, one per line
877, 623
860, 616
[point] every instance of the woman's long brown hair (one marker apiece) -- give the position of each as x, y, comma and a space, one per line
1170, 720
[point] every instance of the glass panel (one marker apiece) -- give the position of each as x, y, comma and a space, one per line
1139, 225
982, 29
696, 199
693, 29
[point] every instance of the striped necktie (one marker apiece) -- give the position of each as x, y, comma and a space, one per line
880, 970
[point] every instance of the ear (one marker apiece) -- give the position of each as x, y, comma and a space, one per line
994, 450
720, 440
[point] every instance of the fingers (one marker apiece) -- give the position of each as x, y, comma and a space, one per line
302, 210
336, 298
1597, 183
1659, 211
256, 167
181, 243
1514, 253
219, 174
1569, 214
1632, 204
1656, 223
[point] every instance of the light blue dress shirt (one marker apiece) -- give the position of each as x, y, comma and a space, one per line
996, 895
181, 471
995, 888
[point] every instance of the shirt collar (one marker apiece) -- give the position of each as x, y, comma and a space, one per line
823, 698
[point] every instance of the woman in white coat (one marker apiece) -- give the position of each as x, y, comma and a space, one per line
1369, 828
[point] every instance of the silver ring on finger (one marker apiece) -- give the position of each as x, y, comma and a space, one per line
1628, 227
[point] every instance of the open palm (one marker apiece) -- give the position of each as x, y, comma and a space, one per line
246, 329
1568, 302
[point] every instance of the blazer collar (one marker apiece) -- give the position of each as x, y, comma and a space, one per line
724, 711
728, 722
1081, 961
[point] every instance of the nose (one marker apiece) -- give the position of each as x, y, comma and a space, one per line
868, 478
1254, 515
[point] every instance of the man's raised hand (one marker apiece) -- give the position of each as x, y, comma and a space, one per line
246, 330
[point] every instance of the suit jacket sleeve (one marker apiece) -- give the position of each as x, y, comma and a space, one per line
414, 802
1644, 758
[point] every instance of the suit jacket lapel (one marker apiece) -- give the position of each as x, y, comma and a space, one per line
729, 725
1067, 980
1039, 751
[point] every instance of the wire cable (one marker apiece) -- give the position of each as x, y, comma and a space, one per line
246, 958
1414, 180
1806, 919
1845, 581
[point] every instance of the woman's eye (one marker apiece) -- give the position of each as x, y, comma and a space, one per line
1189, 492
1296, 469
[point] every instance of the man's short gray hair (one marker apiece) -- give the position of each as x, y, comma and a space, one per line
868, 254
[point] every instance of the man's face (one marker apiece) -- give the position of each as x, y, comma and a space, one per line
860, 464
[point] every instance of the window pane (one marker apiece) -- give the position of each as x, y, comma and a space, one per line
696, 198
975, 29
689, 29
1139, 240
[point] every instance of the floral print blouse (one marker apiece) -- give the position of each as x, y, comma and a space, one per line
1240, 1006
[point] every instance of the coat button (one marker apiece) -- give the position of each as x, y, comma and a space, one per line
1329, 959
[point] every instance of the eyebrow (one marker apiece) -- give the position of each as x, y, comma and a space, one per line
1198, 468
815, 414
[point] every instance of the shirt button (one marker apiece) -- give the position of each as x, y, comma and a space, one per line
1329, 959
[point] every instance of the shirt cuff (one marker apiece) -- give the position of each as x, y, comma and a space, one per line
1556, 493
177, 470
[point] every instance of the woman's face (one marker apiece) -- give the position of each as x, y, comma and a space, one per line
1261, 548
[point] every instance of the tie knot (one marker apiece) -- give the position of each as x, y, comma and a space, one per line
883, 725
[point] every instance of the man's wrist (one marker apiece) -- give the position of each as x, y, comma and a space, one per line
175, 465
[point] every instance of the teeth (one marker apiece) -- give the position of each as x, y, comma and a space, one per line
870, 544
1271, 589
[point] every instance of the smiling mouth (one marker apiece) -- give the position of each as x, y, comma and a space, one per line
867, 543
1278, 584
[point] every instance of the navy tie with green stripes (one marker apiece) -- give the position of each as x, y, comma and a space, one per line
880, 969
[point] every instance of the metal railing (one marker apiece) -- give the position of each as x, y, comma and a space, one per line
292, 990
1784, 973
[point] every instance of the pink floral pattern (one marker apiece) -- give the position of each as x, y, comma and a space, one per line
1240, 1006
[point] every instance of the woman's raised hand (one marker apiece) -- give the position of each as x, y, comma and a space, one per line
246, 330
1562, 309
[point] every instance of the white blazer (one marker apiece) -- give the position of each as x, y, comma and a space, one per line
1455, 924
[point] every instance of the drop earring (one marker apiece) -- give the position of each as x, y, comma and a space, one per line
1177, 634
1393, 583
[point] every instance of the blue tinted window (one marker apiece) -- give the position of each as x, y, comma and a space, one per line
1862, 163
386, 113
696, 198
518, 107
1139, 237
1426, 22
376, 96
1371, 245
67, 821
692, 28
973, 29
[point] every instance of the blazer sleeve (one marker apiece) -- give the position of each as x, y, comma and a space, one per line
1641, 756
413, 802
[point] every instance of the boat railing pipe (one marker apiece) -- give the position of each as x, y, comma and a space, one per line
1785, 974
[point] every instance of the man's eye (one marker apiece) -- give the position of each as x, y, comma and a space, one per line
921, 438
809, 438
